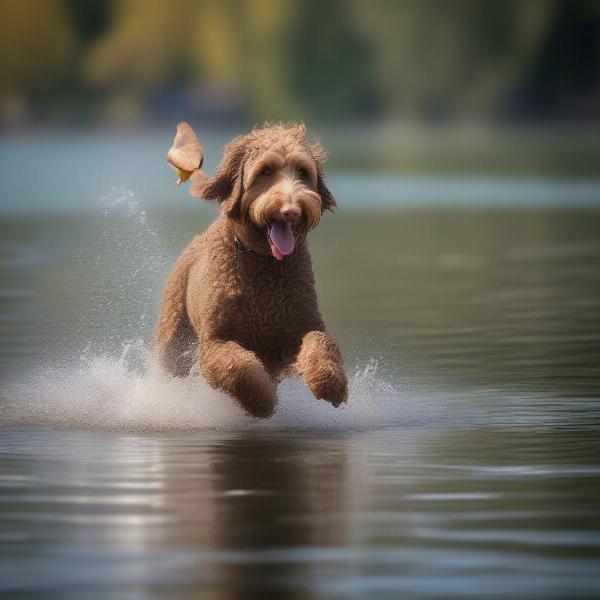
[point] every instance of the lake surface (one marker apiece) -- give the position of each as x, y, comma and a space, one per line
466, 464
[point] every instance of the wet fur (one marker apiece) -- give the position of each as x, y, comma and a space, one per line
251, 326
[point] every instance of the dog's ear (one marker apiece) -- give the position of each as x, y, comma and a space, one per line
327, 200
319, 155
227, 186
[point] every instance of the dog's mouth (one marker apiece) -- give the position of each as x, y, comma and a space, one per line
281, 239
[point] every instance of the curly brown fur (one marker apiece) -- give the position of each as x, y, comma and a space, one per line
252, 319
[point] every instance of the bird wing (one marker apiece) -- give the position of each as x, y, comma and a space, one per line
186, 152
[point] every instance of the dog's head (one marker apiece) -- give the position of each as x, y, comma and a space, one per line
271, 181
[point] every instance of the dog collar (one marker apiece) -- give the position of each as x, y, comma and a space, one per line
239, 248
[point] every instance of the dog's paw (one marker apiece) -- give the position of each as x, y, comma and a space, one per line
255, 392
331, 387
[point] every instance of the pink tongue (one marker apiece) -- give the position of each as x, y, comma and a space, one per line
282, 239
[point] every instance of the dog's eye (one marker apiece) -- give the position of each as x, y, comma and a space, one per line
302, 172
266, 171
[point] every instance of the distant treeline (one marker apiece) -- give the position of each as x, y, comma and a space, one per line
74, 61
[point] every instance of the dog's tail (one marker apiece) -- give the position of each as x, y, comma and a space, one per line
175, 339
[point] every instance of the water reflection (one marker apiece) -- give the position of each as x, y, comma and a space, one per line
236, 516
255, 502
415, 511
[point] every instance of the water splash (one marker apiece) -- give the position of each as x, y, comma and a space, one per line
104, 393
125, 298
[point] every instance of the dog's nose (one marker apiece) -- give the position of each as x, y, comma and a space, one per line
290, 213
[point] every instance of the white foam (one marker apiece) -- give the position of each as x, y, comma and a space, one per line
104, 393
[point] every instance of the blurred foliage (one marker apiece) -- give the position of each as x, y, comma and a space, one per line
325, 60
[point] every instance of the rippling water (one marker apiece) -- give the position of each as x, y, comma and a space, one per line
467, 463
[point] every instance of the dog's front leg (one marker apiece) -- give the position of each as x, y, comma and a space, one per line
240, 373
319, 363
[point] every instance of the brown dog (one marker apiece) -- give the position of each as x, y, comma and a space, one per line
241, 296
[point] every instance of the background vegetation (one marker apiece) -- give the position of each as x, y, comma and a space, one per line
327, 61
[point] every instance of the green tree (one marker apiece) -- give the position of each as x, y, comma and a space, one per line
329, 63
37, 45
